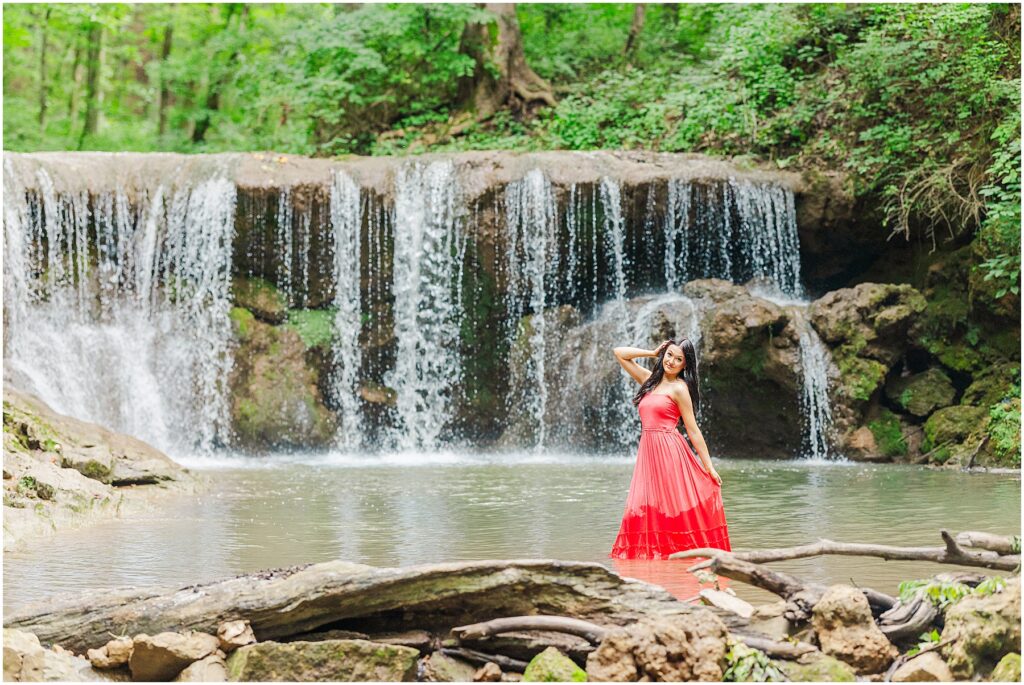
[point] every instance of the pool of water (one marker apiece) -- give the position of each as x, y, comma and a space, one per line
399, 510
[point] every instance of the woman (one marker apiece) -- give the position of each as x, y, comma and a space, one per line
674, 503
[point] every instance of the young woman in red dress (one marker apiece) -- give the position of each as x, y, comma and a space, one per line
675, 500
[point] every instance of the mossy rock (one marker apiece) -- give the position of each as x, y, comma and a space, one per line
241, 320
888, 434
1007, 670
859, 378
1004, 434
921, 393
261, 298
952, 424
551, 666
337, 660
992, 385
819, 668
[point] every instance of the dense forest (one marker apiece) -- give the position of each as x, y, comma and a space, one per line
918, 104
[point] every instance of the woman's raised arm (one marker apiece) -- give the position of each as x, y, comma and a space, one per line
625, 356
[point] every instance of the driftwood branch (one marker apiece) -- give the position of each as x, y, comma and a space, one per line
775, 648
1001, 544
904, 622
471, 655
591, 632
951, 553
800, 596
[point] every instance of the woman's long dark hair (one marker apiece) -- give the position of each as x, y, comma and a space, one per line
689, 373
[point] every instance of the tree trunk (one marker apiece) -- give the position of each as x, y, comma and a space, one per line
44, 46
217, 82
516, 85
94, 52
76, 83
633, 40
165, 91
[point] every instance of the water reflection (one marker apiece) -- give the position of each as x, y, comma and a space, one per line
393, 512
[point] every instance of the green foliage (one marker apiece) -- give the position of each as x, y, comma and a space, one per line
748, 665
314, 326
1004, 430
944, 594
925, 640
888, 435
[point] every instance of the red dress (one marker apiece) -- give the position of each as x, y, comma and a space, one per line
673, 503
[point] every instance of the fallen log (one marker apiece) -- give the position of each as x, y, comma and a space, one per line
592, 632
345, 596
952, 553
903, 623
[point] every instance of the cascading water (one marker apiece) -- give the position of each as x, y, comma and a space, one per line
136, 337
346, 221
814, 362
428, 247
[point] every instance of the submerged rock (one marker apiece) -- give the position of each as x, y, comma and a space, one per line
846, 629
341, 660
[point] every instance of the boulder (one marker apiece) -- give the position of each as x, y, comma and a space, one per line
438, 667
846, 630
750, 370
339, 660
114, 654
276, 402
491, 673
26, 660
1007, 670
209, 669
952, 432
928, 667
163, 656
985, 628
815, 668
992, 385
234, 634
865, 328
553, 666
922, 393
662, 650
260, 297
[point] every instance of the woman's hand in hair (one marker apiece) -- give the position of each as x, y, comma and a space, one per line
661, 347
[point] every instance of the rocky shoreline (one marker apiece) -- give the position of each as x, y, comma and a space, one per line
61, 473
507, 621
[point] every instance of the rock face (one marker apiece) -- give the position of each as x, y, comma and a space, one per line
25, 660
65, 473
276, 402
750, 368
662, 651
846, 630
985, 629
921, 394
340, 660
553, 666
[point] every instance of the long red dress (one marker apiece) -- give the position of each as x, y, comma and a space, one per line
673, 503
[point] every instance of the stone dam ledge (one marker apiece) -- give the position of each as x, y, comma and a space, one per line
478, 171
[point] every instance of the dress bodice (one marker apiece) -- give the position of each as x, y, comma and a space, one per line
658, 412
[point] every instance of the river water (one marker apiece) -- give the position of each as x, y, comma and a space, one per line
405, 509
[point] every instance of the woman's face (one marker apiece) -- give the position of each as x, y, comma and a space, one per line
673, 362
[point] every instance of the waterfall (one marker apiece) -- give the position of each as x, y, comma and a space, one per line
136, 335
284, 243
427, 256
814, 361
531, 265
346, 221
